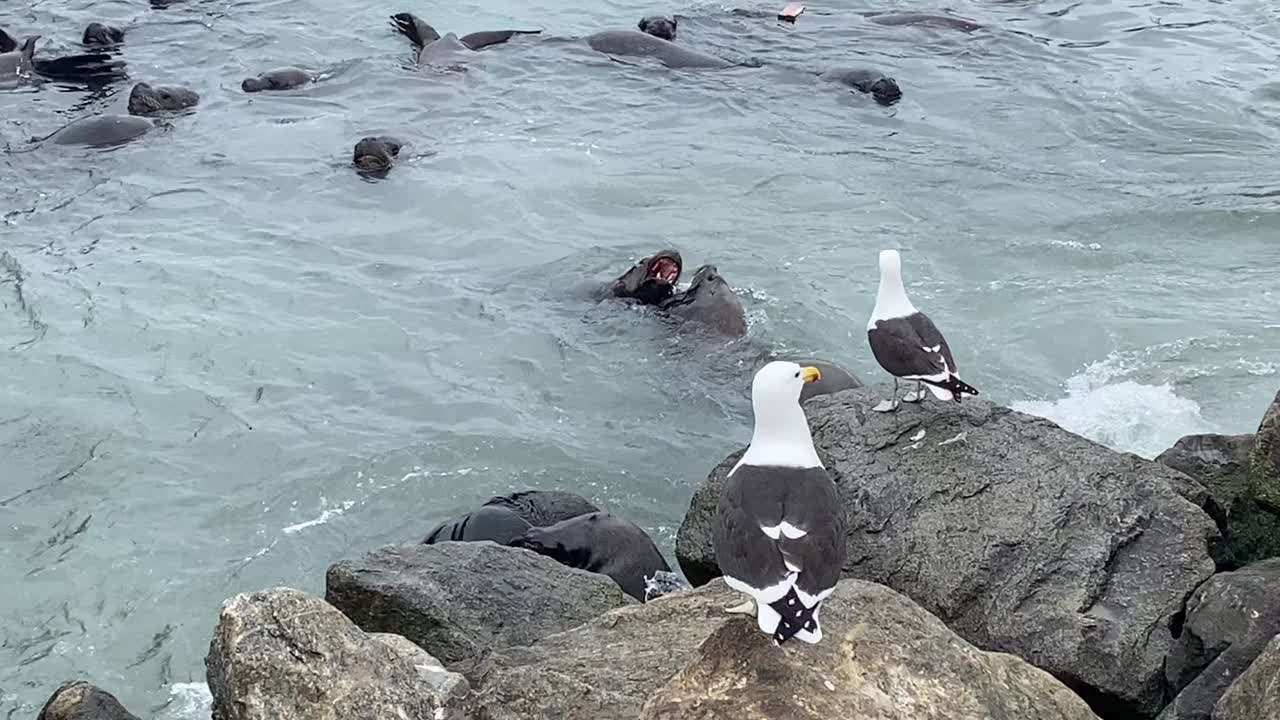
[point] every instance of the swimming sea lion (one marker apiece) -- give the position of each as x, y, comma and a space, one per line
650, 281
883, 89
600, 542
102, 35
710, 302
19, 60
659, 27
638, 44
543, 507
7, 43
102, 130
434, 49
489, 522
938, 21
281, 78
146, 99
373, 156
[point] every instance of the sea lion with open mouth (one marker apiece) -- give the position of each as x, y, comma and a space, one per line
651, 280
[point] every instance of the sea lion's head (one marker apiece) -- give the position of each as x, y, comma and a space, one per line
652, 279
373, 156
659, 26
148, 100
885, 91
99, 34
710, 300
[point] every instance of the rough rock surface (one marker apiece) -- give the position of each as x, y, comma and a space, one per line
1221, 463
1021, 536
282, 654
1255, 695
458, 600
1264, 466
79, 700
682, 657
1229, 620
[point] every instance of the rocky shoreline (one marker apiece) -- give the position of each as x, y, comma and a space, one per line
998, 566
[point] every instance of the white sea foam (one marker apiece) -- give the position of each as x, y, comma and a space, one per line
1123, 414
187, 701
323, 518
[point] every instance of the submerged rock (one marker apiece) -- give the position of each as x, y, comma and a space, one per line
682, 657
458, 600
282, 654
1229, 620
80, 700
1021, 536
1255, 695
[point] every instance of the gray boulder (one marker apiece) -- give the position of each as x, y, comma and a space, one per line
682, 657
1019, 535
282, 654
1229, 620
458, 600
1255, 695
1250, 531
80, 700
1264, 465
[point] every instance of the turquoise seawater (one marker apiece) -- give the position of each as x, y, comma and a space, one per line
226, 361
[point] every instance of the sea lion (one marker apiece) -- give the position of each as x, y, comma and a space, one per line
938, 21
98, 34
489, 522
281, 78
600, 542
434, 49
834, 378
659, 27
710, 302
650, 281
374, 155
18, 61
638, 44
543, 507
7, 43
147, 100
883, 89
102, 130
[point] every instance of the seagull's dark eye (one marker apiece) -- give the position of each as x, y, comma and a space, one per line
797, 373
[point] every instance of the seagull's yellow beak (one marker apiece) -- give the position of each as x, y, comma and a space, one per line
810, 374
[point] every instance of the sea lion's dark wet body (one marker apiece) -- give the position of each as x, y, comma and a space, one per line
543, 507
449, 49
710, 303
923, 19
18, 60
633, 43
373, 156
882, 88
276, 79
650, 281
103, 130
100, 35
490, 522
600, 542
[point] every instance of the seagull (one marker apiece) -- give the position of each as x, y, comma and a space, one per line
907, 344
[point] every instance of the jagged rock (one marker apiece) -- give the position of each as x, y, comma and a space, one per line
1229, 620
682, 657
1021, 536
460, 599
1221, 463
1264, 466
80, 700
1255, 695
282, 654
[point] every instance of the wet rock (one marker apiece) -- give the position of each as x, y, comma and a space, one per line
1221, 463
1019, 535
458, 600
1264, 465
282, 654
1255, 695
80, 700
681, 656
1229, 620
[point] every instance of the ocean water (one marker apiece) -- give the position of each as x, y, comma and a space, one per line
226, 361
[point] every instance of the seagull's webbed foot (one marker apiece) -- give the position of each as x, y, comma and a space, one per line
747, 607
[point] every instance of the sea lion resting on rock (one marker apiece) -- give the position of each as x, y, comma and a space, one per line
632, 43
883, 89
147, 100
373, 156
281, 78
505, 517
659, 27
650, 281
543, 507
600, 542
